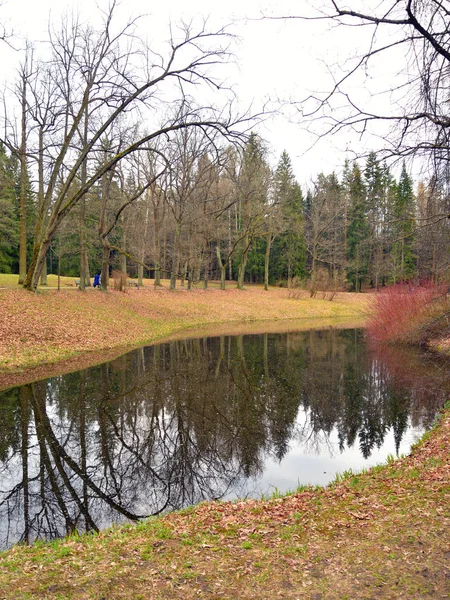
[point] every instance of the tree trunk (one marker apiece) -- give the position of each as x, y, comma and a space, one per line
87, 273
23, 188
157, 276
266, 261
402, 266
243, 264
143, 243
241, 272
175, 259
82, 286
312, 291
37, 264
104, 281
44, 273
223, 268
83, 245
157, 259
183, 274
123, 258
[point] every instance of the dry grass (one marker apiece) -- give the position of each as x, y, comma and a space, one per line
41, 329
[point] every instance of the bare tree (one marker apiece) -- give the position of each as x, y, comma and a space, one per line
6, 33
192, 197
419, 31
324, 232
113, 76
14, 136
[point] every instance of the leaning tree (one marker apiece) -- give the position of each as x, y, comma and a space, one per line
100, 77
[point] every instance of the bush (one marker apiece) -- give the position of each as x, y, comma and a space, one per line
325, 284
120, 281
295, 286
409, 313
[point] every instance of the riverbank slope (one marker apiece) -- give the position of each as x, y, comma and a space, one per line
380, 534
38, 331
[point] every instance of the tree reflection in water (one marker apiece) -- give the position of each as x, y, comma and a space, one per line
170, 425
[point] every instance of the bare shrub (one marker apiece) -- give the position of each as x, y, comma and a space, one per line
120, 281
410, 313
295, 287
325, 284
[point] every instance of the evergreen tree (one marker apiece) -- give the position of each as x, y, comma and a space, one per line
373, 175
289, 249
252, 197
9, 221
255, 261
403, 228
358, 231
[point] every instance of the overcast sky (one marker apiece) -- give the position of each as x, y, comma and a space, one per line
275, 59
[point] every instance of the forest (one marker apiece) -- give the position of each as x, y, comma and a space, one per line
228, 215
92, 182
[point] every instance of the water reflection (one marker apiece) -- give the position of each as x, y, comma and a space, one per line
170, 425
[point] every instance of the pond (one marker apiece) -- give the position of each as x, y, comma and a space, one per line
170, 425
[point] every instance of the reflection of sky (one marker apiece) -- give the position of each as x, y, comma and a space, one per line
317, 462
156, 454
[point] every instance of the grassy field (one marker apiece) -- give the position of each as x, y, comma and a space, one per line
12, 282
39, 331
380, 534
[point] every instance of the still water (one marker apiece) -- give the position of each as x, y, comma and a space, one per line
171, 425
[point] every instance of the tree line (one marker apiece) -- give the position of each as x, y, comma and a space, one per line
110, 160
224, 214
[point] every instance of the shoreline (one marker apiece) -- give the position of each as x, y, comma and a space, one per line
53, 333
363, 535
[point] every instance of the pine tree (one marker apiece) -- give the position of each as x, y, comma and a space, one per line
373, 175
358, 232
252, 196
404, 209
9, 222
289, 249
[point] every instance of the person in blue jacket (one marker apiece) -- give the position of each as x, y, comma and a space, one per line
97, 280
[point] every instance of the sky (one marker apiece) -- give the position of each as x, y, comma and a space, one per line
275, 59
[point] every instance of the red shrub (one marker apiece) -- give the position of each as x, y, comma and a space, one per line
400, 312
